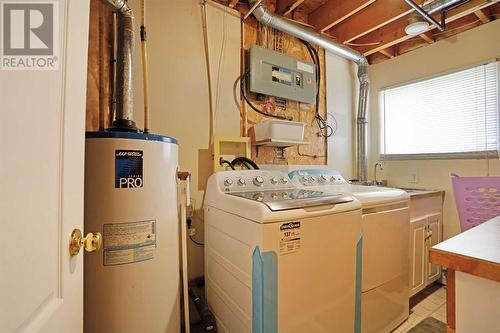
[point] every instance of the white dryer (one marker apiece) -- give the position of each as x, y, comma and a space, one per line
385, 223
280, 258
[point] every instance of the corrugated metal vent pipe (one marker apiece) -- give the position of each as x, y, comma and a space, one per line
267, 18
124, 66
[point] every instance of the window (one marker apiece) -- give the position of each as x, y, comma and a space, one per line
452, 115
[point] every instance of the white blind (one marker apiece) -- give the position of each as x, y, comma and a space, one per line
452, 113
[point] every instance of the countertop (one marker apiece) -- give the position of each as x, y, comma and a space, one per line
420, 193
475, 251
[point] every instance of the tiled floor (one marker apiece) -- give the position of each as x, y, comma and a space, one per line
433, 305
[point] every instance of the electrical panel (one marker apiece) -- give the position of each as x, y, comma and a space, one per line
276, 74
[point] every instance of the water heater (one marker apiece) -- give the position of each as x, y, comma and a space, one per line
132, 282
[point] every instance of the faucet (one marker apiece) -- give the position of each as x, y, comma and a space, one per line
377, 166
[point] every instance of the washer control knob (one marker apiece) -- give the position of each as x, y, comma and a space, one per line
323, 178
332, 178
312, 179
284, 195
274, 180
241, 182
228, 182
284, 181
258, 181
274, 195
304, 179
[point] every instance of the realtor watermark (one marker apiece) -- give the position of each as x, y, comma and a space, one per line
29, 35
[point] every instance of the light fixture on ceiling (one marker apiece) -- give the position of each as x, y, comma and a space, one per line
416, 25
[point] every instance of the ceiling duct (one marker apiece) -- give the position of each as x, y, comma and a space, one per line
269, 19
124, 67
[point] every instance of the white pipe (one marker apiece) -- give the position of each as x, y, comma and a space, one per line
185, 275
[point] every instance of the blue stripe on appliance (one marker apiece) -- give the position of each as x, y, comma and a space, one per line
128, 168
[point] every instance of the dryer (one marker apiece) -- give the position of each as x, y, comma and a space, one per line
279, 258
385, 224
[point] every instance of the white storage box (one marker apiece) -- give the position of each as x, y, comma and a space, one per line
283, 130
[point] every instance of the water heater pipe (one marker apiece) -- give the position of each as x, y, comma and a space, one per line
144, 65
124, 67
275, 21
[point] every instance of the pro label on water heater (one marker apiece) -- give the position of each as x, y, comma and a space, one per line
128, 168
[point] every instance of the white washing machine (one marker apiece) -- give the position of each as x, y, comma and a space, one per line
280, 258
385, 223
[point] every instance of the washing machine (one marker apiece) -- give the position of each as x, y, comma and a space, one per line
279, 258
385, 224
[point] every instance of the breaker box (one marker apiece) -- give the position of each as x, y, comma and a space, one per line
276, 74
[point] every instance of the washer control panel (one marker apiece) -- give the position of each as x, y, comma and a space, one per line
253, 180
316, 177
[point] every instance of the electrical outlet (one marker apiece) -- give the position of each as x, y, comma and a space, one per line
413, 178
192, 232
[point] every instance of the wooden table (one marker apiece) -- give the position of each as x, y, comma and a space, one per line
475, 252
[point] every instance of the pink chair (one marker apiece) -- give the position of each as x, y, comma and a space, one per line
477, 199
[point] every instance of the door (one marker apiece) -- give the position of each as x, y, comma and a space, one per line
433, 237
42, 118
417, 248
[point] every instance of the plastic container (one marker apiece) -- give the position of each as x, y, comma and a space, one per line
477, 199
283, 130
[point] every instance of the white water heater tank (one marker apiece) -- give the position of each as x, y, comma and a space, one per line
132, 282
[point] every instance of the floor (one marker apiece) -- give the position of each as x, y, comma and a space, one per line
434, 305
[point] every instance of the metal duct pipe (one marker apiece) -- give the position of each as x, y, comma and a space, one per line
440, 5
124, 67
282, 24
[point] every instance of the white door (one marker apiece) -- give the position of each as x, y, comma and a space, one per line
434, 237
42, 121
417, 257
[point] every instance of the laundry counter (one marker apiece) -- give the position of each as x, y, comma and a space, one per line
472, 259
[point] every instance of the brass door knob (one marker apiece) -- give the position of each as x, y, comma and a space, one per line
91, 242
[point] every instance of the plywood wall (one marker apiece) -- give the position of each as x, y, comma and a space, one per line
99, 61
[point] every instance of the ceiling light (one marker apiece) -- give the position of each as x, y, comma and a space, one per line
416, 25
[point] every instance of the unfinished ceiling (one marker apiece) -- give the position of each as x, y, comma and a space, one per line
377, 27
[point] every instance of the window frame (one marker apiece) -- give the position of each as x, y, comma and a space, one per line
485, 154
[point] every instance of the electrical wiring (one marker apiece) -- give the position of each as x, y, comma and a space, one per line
196, 242
222, 162
245, 161
243, 88
325, 130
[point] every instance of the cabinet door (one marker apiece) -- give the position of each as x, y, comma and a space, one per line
417, 257
434, 236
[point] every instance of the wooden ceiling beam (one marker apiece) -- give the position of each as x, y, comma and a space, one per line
334, 11
233, 3
373, 17
393, 33
428, 37
482, 16
388, 53
285, 7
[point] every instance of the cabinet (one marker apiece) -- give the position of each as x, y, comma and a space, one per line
426, 225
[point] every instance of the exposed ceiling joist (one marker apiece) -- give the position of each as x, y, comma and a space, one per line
233, 3
335, 11
393, 33
428, 37
482, 16
378, 14
388, 53
285, 7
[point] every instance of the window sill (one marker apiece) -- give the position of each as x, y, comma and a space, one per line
491, 154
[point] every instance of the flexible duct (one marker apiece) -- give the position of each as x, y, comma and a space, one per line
267, 18
124, 66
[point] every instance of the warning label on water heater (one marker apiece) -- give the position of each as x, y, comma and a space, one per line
290, 237
126, 243
128, 168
